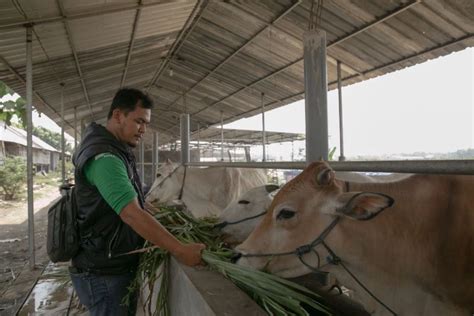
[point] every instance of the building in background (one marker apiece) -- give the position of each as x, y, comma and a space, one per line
13, 143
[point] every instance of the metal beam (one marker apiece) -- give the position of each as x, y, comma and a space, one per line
465, 167
76, 58
132, 43
65, 18
240, 49
336, 42
330, 59
193, 19
404, 59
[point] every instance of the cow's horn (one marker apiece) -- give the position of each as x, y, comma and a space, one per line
271, 187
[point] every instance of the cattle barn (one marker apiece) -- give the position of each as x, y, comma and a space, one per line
209, 62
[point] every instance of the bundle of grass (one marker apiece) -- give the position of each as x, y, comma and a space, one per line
274, 294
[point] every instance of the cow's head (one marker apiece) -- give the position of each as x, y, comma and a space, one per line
240, 217
300, 211
167, 184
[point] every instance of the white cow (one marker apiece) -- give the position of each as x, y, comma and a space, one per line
241, 216
416, 257
206, 191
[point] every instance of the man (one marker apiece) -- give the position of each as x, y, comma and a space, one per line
111, 215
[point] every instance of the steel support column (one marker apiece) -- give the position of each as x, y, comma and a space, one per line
142, 161
75, 128
264, 136
154, 155
198, 141
29, 145
341, 123
184, 119
63, 161
222, 136
83, 128
315, 83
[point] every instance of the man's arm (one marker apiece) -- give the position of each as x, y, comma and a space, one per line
108, 173
150, 229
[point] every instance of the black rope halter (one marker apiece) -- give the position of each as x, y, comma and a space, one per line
168, 177
226, 223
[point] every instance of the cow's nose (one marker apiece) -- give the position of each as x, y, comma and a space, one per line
235, 257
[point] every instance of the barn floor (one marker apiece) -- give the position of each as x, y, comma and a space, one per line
16, 279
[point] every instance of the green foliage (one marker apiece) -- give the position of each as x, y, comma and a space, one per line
12, 176
332, 151
4, 89
50, 137
10, 108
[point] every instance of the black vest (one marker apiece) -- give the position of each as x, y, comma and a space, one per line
104, 236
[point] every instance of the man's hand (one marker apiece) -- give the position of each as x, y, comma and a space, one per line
189, 254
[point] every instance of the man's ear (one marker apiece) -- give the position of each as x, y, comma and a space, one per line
117, 115
362, 205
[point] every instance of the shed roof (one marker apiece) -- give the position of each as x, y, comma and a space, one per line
211, 57
18, 136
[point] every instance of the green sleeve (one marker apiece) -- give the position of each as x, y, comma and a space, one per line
108, 173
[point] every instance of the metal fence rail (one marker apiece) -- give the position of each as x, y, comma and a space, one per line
465, 167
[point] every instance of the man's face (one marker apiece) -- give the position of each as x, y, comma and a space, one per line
132, 126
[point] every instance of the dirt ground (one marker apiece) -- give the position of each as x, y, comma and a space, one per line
14, 237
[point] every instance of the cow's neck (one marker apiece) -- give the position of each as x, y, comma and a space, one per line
400, 246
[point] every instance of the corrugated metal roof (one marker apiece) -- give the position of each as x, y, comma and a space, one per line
232, 136
222, 55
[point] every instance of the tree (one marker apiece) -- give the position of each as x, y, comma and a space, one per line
12, 176
10, 108
51, 138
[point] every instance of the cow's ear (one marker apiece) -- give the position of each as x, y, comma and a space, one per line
325, 176
271, 187
362, 205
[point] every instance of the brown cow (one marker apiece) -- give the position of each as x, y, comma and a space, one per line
417, 257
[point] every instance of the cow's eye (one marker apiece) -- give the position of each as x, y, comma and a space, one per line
244, 202
158, 175
285, 214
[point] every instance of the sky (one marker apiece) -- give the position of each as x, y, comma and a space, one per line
423, 108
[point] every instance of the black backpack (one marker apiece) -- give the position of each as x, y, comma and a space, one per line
63, 230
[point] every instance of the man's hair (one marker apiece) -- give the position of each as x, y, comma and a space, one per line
126, 100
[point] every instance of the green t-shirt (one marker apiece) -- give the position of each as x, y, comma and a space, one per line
109, 174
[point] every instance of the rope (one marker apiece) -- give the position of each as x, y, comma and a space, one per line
226, 223
162, 181
337, 261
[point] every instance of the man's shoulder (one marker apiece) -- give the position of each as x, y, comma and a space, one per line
106, 155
